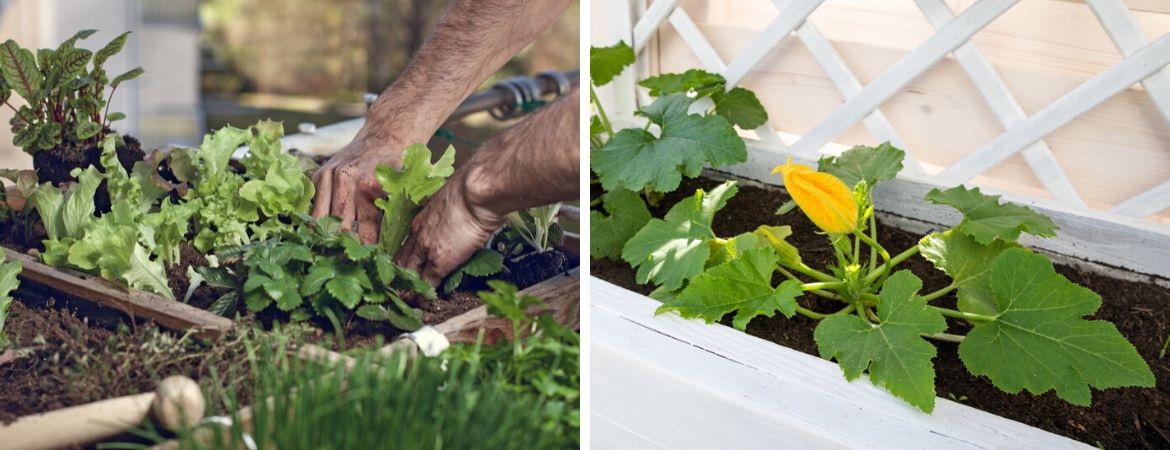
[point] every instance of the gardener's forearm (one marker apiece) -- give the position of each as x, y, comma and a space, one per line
472, 40
534, 163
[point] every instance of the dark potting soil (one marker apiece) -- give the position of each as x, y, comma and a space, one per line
178, 281
1118, 418
54, 165
525, 270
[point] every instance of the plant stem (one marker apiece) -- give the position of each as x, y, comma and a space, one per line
881, 250
939, 293
828, 295
595, 202
822, 285
810, 313
872, 235
893, 262
970, 317
815, 274
948, 337
600, 110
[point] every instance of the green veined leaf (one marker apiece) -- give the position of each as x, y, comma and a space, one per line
985, 219
78, 209
742, 285
484, 262
969, 264
740, 107
19, 68
129, 75
72, 62
8, 283
86, 129
80, 35
605, 63
320, 273
111, 49
871, 164
609, 233
1040, 340
354, 249
699, 81
147, 274
345, 289
672, 250
634, 158
893, 351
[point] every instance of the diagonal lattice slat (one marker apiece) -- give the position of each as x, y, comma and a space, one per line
1144, 63
1004, 106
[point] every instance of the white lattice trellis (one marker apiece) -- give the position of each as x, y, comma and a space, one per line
1143, 62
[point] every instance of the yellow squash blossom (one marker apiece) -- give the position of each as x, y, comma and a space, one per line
824, 198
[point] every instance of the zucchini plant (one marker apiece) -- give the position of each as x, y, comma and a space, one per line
690, 125
1029, 327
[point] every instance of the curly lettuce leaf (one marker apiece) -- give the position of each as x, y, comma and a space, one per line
8, 283
408, 187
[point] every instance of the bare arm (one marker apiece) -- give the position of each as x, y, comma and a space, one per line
534, 163
472, 40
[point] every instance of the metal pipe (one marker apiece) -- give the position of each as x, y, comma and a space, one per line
329, 139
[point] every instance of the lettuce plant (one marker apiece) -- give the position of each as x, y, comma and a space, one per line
64, 90
1029, 325
119, 245
233, 208
406, 189
8, 283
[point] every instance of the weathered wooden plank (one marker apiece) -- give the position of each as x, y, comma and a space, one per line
561, 295
168, 313
673, 381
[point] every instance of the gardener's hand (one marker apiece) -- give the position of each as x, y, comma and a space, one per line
455, 222
347, 187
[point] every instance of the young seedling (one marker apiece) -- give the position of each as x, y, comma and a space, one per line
1028, 324
8, 283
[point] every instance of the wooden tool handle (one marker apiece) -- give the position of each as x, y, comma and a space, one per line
77, 425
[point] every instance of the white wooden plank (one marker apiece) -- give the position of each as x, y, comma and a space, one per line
1102, 238
839, 73
695, 40
1004, 105
769, 38
1146, 203
686, 384
1123, 29
954, 34
650, 21
1088, 95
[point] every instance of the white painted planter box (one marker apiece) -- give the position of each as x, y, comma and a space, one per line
666, 382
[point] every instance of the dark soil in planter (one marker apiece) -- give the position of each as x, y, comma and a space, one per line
54, 165
525, 270
1119, 418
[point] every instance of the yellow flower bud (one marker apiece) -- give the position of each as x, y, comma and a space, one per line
824, 198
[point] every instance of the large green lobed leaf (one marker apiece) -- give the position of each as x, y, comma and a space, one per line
672, 250
969, 265
863, 163
892, 351
985, 219
1040, 340
605, 63
609, 233
742, 285
635, 159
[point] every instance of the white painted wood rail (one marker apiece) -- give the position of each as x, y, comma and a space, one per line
666, 382
1115, 234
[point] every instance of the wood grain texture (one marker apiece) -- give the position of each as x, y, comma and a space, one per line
661, 381
168, 313
1042, 49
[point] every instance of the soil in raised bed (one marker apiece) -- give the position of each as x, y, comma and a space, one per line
1118, 418
70, 361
